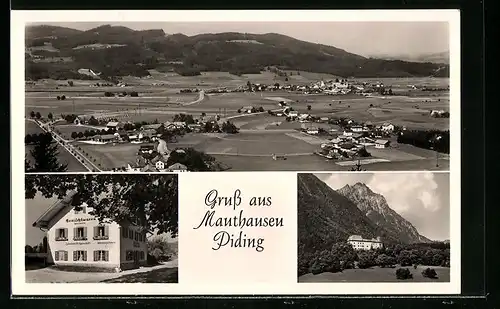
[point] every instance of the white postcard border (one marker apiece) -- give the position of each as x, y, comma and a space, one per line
19, 287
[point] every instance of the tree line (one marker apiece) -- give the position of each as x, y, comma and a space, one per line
432, 139
343, 256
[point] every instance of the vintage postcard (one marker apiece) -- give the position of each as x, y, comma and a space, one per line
337, 134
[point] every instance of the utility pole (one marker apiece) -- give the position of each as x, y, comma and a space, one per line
437, 158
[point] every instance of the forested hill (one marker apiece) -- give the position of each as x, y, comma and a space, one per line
119, 51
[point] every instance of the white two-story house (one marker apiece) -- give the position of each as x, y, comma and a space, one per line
77, 238
359, 243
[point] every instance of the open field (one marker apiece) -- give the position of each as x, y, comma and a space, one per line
111, 156
253, 151
377, 274
30, 127
260, 135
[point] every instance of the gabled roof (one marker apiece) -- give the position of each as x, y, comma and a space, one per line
112, 124
382, 141
44, 220
152, 126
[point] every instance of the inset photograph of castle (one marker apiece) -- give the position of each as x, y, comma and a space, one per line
374, 227
101, 228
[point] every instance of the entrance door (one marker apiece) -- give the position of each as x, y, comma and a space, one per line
136, 258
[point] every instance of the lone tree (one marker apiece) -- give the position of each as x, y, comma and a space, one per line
50, 116
38, 115
32, 114
150, 200
357, 167
45, 156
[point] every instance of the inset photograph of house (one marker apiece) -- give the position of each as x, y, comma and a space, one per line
101, 228
374, 227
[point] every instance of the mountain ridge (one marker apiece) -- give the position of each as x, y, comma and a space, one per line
376, 208
140, 50
326, 217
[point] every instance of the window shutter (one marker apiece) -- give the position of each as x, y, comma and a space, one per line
85, 232
106, 230
57, 255
106, 256
75, 255
96, 255
85, 255
75, 233
65, 255
84, 209
96, 231
66, 232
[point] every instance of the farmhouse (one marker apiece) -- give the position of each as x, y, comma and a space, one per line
382, 143
114, 125
146, 149
357, 129
387, 127
78, 120
154, 126
177, 167
160, 162
77, 238
107, 138
358, 243
247, 109
195, 127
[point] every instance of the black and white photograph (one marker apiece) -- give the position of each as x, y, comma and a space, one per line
374, 227
91, 228
237, 96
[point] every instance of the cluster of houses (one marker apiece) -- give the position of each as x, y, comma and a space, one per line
354, 140
154, 158
147, 133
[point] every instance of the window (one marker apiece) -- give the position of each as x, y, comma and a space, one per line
61, 255
61, 234
101, 232
101, 255
130, 234
136, 238
79, 255
143, 255
80, 233
124, 232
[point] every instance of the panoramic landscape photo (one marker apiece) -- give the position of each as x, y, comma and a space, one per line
237, 96
374, 227
109, 228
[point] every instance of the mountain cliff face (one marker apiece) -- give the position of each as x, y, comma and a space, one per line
326, 217
375, 207
136, 51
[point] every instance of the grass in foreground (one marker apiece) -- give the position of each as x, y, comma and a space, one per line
377, 274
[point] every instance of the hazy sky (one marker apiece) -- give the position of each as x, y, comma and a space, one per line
421, 198
363, 38
34, 209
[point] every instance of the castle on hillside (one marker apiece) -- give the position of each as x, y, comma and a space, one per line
359, 243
